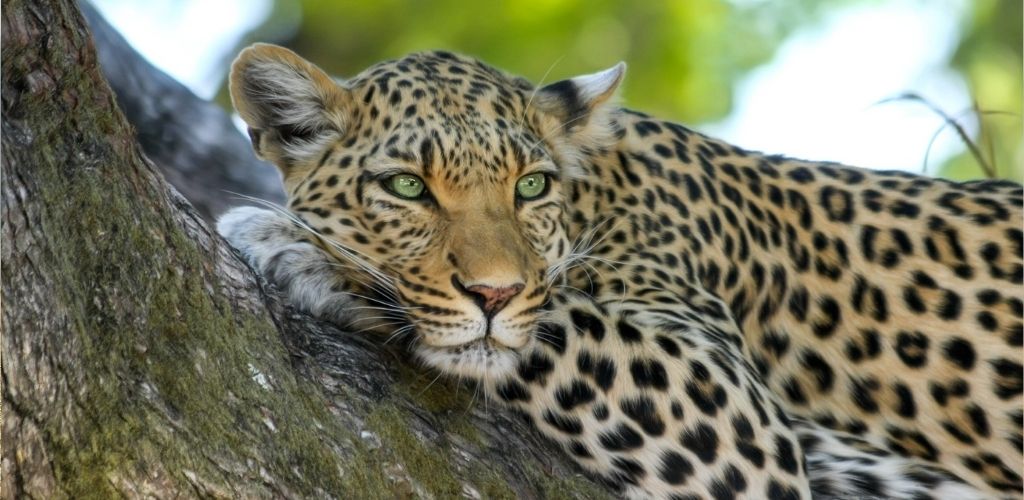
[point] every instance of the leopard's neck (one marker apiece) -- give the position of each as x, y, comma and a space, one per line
755, 230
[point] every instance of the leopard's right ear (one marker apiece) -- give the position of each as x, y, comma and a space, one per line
293, 109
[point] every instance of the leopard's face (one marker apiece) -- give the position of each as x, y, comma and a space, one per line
463, 222
442, 199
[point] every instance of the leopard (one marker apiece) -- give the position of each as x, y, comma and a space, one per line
684, 317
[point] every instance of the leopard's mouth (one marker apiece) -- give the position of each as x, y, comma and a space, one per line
486, 346
480, 358
488, 343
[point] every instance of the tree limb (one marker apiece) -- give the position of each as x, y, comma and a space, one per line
142, 358
192, 141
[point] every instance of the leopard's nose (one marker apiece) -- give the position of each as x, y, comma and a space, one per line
490, 299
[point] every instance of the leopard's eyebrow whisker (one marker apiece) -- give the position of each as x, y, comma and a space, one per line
536, 88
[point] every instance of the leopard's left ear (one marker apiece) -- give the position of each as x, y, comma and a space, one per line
293, 109
576, 110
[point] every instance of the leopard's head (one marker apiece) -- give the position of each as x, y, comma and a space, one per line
439, 183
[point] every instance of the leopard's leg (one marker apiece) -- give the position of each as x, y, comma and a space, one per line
653, 400
313, 280
843, 465
839, 465
657, 396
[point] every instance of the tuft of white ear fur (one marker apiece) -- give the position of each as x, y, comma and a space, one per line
293, 109
579, 112
596, 88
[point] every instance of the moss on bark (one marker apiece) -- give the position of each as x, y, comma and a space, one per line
143, 359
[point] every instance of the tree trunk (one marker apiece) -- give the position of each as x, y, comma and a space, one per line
142, 358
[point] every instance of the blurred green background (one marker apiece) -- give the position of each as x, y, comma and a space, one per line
687, 58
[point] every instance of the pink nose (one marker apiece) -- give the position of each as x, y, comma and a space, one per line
493, 299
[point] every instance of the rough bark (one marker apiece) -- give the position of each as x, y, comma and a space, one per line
143, 358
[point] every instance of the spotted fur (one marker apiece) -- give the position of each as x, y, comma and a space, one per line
691, 320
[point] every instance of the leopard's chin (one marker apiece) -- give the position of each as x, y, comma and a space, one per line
481, 359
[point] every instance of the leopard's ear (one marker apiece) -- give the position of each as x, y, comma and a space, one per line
577, 110
293, 109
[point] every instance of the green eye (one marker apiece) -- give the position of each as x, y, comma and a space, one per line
531, 186
405, 185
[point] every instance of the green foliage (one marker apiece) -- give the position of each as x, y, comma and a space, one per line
990, 59
684, 56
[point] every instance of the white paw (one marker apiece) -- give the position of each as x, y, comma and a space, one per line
242, 226
237, 218
256, 232
279, 250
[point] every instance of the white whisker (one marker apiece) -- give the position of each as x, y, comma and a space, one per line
352, 255
536, 88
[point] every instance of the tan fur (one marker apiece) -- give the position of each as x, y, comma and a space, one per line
849, 313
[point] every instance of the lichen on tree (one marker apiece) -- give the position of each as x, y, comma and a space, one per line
141, 357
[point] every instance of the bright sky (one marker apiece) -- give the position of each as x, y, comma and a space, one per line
188, 39
816, 100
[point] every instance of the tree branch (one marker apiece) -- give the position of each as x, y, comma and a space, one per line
143, 358
193, 142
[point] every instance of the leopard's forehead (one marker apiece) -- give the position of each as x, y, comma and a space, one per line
455, 88
447, 114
